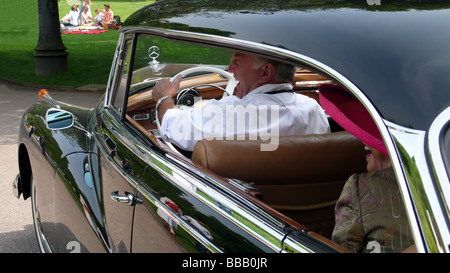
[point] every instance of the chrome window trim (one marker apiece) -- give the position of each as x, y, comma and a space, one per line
436, 157
113, 71
115, 67
433, 230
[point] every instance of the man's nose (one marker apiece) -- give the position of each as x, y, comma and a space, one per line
231, 67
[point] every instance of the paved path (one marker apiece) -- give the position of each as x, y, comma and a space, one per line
16, 225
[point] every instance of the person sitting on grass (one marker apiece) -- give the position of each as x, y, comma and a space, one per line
85, 16
87, 4
71, 19
99, 18
109, 15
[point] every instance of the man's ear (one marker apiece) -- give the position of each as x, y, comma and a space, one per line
267, 73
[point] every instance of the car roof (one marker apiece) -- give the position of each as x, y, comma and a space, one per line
397, 53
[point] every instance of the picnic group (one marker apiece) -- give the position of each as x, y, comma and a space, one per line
104, 19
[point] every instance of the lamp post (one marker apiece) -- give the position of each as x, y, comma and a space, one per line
50, 53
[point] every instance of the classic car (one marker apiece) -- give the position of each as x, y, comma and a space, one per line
103, 180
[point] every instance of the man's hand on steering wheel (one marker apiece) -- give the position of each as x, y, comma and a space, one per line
164, 93
166, 87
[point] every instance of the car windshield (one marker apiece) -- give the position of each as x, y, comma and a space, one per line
156, 58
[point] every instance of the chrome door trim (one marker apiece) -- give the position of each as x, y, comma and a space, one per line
147, 195
44, 245
259, 229
250, 206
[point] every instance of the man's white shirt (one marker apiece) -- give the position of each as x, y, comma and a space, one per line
257, 115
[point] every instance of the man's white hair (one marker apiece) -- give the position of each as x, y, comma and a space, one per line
283, 72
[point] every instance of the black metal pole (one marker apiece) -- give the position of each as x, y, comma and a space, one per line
50, 53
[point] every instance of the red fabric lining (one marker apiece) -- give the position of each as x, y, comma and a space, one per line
92, 31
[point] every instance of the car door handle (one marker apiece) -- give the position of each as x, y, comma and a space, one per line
128, 198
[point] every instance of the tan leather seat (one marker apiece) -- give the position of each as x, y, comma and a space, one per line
303, 177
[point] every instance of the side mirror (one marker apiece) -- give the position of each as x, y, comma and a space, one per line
57, 119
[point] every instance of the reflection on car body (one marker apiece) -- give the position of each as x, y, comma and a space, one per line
107, 181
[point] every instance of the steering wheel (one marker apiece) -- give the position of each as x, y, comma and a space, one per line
229, 89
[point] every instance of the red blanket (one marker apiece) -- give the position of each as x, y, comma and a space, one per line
93, 31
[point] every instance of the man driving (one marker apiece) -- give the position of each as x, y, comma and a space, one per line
264, 105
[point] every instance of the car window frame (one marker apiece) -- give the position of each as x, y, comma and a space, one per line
122, 78
439, 162
440, 129
116, 74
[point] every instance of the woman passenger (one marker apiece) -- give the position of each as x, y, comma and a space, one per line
370, 215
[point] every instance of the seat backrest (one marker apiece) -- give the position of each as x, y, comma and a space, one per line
302, 178
297, 160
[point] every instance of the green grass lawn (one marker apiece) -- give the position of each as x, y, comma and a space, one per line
90, 56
